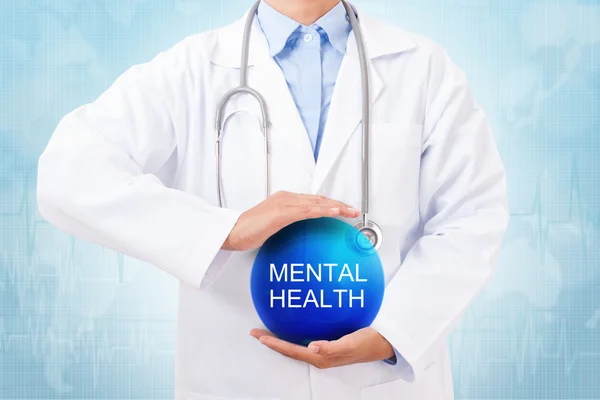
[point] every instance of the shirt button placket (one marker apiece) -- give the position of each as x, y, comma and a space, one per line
316, 85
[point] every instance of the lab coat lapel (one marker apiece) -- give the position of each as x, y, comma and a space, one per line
345, 113
286, 124
289, 135
287, 132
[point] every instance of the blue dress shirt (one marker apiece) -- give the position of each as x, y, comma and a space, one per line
310, 58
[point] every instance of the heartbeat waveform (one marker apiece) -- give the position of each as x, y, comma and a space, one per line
87, 345
584, 222
31, 223
581, 221
25, 274
526, 348
14, 263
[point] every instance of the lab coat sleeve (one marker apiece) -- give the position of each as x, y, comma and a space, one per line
398, 364
464, 213
97, 178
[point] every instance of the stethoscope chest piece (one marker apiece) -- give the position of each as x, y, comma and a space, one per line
372, 232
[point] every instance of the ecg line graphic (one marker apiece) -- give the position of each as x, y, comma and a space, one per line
586, 222
525, 348
526, 351
88, 344
65, 268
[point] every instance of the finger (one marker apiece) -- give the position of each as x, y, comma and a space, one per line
334, 348
288, 349
349, 212
315, 347
258, 333
317, 200
299, 213
292, 214
312, 199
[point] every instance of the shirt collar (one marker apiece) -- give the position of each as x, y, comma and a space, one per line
337, 26
278, 27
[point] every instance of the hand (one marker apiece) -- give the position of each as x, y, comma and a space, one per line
281, 209
365, 345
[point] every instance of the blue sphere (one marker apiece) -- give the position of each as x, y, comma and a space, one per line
317, 279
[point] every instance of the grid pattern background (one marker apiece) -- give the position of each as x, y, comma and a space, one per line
78, 321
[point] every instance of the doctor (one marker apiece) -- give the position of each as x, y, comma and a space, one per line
136, 171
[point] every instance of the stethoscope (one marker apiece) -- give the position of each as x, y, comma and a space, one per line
367, 227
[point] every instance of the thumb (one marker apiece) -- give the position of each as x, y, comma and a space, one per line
325, 348
317, 346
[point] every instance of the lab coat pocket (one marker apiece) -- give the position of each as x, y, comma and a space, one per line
389, 137
395, 164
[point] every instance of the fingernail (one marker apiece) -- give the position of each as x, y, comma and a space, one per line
354, 210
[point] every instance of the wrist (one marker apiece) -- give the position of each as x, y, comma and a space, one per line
227, 245
230, 243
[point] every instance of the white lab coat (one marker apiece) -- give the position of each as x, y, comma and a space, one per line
135, 171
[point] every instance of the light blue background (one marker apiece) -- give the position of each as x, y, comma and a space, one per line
78, 321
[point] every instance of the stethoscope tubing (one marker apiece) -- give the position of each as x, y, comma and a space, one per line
365, 224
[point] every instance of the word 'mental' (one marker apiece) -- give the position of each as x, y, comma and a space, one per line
322, 273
